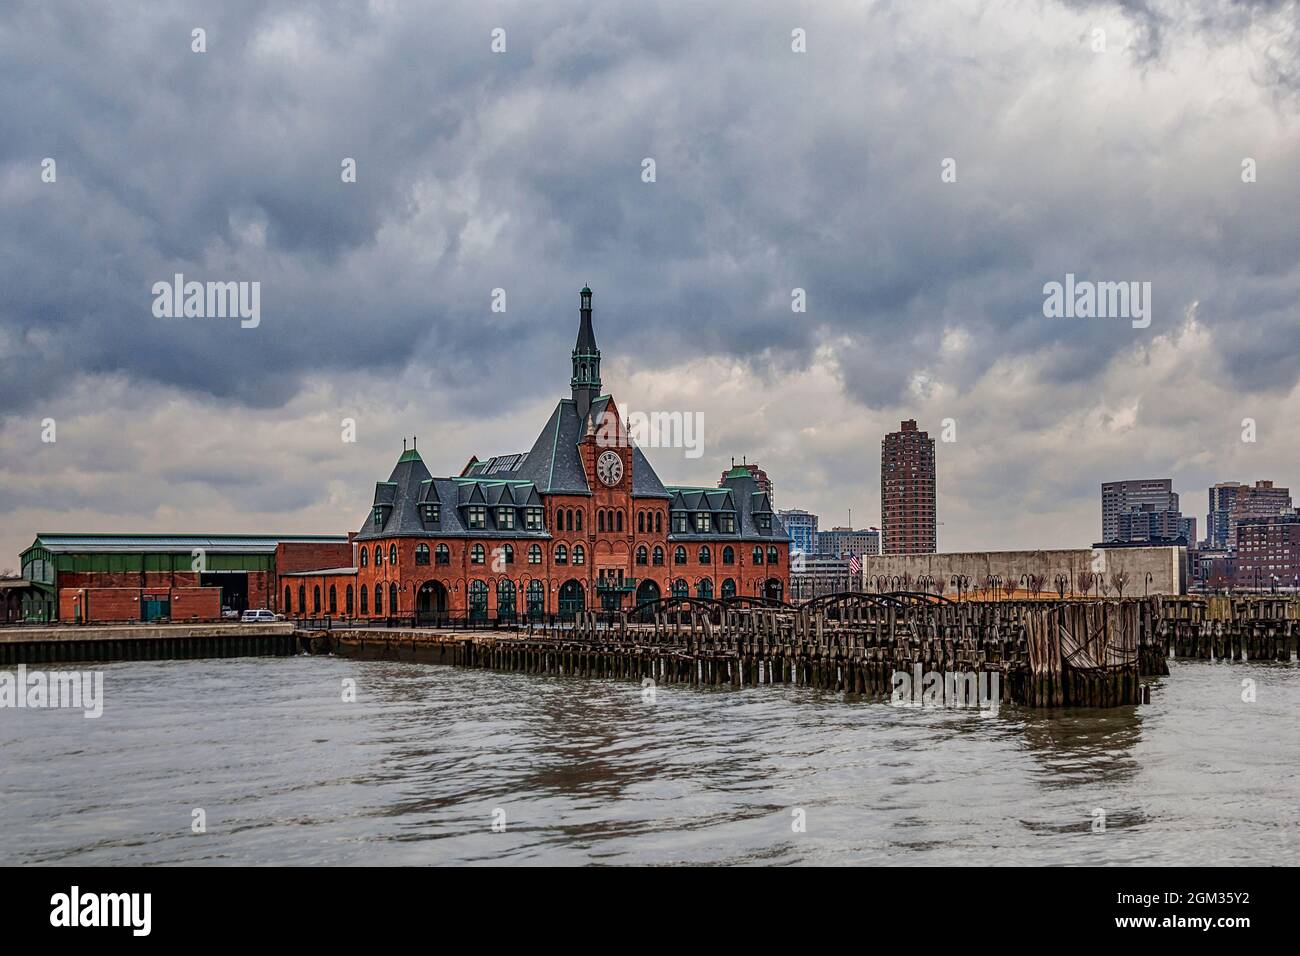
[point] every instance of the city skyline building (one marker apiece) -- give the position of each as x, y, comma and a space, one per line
1119, 496
802, 526
907, 492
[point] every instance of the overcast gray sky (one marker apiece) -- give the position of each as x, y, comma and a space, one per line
522, 171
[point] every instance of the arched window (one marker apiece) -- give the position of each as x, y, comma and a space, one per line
477, 555
347, 601
579, 520
728, 555
600, 520
618, 519
640, 522
704, 589
365, 608
508, 553
334, 599
315, 599
443, 554
659, 556
534, 554
561, 554
659, 523
568, 517
392, 599
758, 555
773, 556
302, 599
392, 554
379, 600
728, 588
681, 588
365, 557
642, 555
706, 556
379, 555
421, 554
679, 556
579, 554
288, 600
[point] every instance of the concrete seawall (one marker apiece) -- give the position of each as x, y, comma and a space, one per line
104, 644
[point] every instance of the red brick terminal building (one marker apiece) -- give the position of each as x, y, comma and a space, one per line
578, 521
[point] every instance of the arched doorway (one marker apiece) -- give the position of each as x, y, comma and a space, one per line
431, 603
572, 599
536, 596
646, 592
774, 590
506, 600
478, 602
728, 588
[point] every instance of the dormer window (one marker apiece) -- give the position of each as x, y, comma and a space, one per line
703, 522
679, 522
477, 516
764, 522
505, 519
727, 523
430, 513
533, 519
379, 516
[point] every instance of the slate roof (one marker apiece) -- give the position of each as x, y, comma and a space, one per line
72, 543
740, 496
410, 486
553, 464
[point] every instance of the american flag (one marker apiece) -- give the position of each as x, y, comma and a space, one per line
855, 564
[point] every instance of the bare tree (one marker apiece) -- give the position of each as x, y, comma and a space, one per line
1085, 580
1120, 581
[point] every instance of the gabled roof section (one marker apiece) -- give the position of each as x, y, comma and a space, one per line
645, 483
78, 543
553, 463
401, 492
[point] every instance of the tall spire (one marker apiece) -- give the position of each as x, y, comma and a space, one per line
586, 359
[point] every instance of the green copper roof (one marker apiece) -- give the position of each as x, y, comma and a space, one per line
738, 472
410, 455
586, 291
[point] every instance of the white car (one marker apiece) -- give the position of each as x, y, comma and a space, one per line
260, 616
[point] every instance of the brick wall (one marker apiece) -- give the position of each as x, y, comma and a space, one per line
98, 605
292, 556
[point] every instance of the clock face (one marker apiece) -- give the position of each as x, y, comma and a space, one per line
609, 468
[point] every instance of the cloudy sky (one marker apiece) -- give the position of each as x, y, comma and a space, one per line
1101, 139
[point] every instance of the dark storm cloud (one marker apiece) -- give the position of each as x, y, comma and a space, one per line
522, 171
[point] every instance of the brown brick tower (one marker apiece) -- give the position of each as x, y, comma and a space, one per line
907, 494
